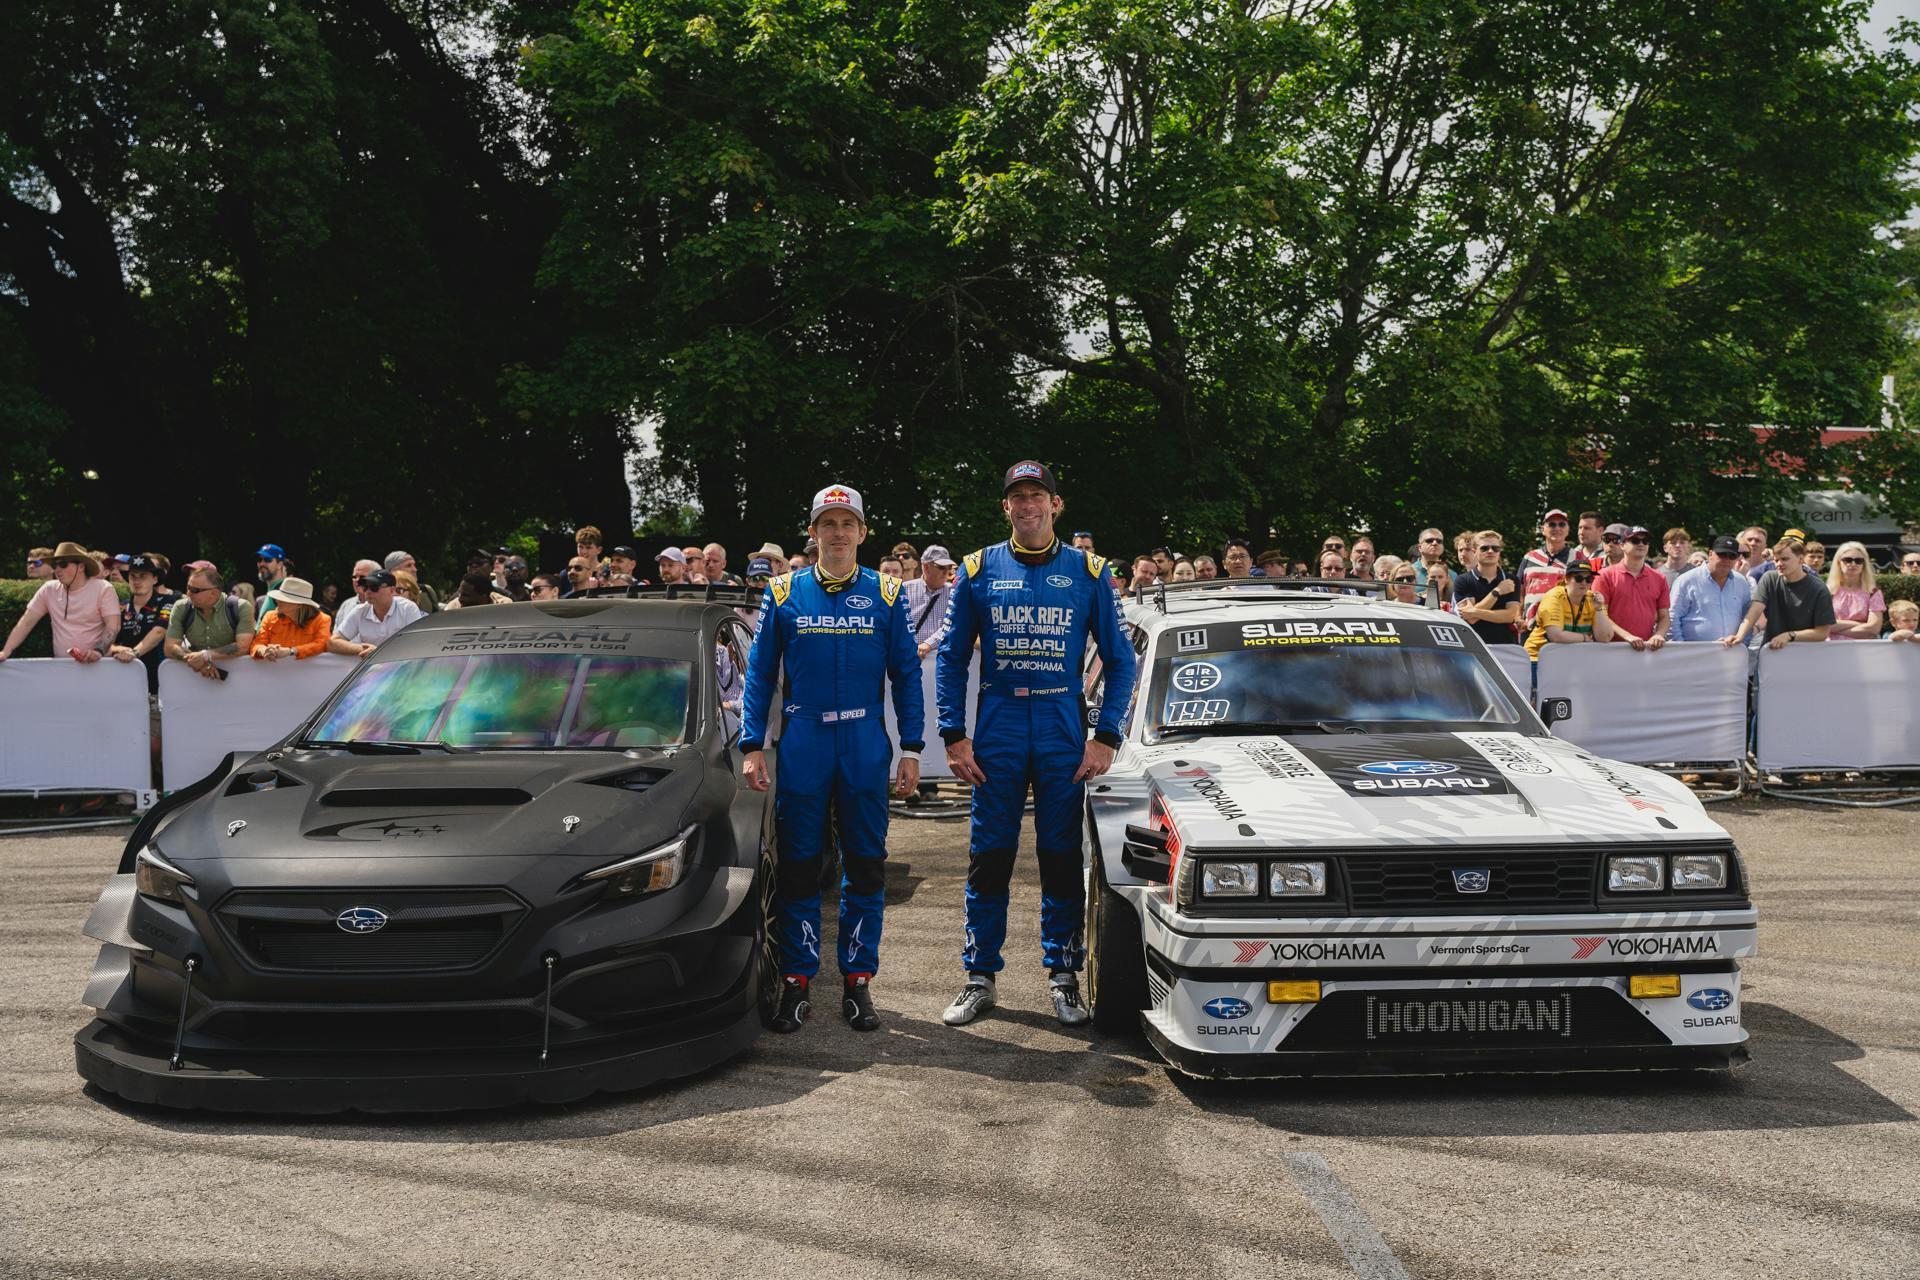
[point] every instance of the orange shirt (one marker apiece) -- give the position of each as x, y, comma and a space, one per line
304, 641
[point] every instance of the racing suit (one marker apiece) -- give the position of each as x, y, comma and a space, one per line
1032, 612
840, 642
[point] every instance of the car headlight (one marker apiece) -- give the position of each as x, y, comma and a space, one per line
1636, 873
1230, 880
1297, 879
155, 877
661, 867
1699, 870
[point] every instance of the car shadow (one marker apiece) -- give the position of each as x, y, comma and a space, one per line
1793, 1082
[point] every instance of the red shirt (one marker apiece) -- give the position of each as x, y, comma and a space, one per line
1634, 600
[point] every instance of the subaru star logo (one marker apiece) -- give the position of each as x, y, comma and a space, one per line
1227, 1009
859, 602
1474, 880
1710, 998
1409, 768
1059, 580
361, 919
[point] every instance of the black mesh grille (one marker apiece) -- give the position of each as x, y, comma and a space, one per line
1546, 881
300, 930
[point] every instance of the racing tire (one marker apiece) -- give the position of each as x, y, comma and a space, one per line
766, 958
1116, 958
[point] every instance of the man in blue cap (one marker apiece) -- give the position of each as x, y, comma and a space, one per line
1032, 604
842, 632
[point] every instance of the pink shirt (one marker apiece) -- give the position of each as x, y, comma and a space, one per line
88, 617
1852, 604
1634, 601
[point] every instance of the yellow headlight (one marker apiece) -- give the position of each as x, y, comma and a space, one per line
1653, 986
1304, 992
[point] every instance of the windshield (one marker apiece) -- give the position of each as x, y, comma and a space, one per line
555, 700
1333, 676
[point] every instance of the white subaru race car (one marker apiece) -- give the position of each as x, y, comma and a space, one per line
1338, 840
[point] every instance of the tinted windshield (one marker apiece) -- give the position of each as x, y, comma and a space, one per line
570, 700
1387, 673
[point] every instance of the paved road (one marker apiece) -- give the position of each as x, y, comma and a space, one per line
1014, 1148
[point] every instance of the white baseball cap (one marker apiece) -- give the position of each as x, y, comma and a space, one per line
838, 495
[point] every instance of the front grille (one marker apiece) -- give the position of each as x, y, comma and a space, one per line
299, 930
1546, 882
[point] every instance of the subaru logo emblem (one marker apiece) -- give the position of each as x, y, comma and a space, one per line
1710, 998
1474, 880
859, 602
1227, 1009
362, 919
1409, 768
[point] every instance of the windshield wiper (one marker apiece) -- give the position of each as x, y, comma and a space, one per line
374, 748
1329, 725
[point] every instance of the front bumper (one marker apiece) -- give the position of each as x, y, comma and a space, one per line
137, 1069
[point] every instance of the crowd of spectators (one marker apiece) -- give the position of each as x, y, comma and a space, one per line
1583, 582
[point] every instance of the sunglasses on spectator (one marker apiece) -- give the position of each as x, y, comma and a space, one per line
1851, 560
368, 583
35, 564
1638, 541
62, 564
1333, 544
1406, 582
1490, 546
1609, 537
1433, 539
1726, 555
1553, 524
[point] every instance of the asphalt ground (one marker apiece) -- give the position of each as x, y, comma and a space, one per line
1015, 1147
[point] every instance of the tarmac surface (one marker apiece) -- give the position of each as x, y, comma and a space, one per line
1015, 1147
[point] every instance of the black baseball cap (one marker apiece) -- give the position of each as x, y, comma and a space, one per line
137, 563
377, 579
1726, 545
625, 553
1027, 469
1580, 569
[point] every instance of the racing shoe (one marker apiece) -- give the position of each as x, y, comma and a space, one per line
1067, 1004
795, 1007
974, 999
856, 1004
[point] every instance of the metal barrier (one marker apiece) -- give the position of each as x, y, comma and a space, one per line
254, 707
1851, 707
71, 728
1681, 708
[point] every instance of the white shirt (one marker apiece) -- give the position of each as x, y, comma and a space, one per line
929, 619
357, 623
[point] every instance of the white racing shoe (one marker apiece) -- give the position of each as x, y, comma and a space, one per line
1067, 1004
974, 999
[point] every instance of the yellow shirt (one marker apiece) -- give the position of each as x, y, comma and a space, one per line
1556, 610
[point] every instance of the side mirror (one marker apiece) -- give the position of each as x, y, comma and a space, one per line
1554, 710
1146, 854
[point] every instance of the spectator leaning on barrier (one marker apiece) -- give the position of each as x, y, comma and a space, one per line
1636, 596
296, 628
210, 627
1679, 545
1571, 613
1858, 606
1796, 606
1708, 602
143, 618
1905, 617
40, 564
382, 612
1487, 596
927, 597
361, 568
1543, 566
79, 604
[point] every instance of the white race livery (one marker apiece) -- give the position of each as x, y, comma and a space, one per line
1338, 839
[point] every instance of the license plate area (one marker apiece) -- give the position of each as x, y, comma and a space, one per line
1499, 1018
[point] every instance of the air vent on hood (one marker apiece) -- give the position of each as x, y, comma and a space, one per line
260, 780
634, 779
401, 797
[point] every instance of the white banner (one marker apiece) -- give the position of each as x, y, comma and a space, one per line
73, 726
933, 761
1683, 704
1842, 704
1513, 660
253, 708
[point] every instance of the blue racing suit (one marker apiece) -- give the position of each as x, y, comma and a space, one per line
840, 643
1032, 613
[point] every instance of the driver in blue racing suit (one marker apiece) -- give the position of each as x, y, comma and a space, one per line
1032, 602
842, 632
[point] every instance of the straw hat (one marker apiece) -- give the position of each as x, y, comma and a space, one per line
294, 591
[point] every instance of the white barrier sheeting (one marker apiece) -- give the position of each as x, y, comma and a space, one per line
253, 708
933, 760
1683, 703
1843, 704
69, 726
1513, 659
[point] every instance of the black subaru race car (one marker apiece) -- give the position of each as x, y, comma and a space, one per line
511, 857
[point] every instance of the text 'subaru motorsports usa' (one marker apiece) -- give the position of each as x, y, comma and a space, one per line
1339, 840
511, 857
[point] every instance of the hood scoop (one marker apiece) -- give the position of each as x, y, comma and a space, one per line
436, 797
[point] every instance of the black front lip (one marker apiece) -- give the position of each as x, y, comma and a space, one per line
1426, 1062
135, 1069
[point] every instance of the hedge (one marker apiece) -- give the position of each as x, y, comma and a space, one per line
14, 594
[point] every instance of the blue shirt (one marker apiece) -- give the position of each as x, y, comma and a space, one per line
1033, 621
840, 645
1706, 610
